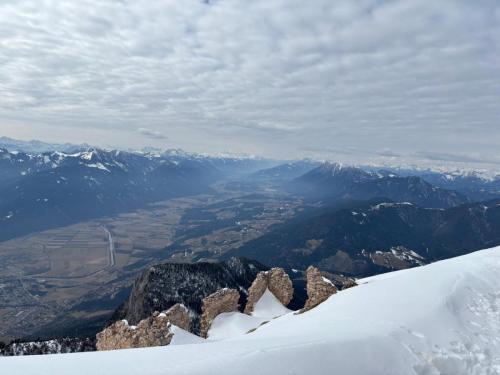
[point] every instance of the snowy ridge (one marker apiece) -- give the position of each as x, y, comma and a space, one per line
232, 324
442, 318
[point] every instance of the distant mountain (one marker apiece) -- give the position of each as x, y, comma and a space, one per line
15, 164
163, 285
52, 189
476, 185
287, 171
227, 164
472, 185
375, 238
35, 146
335, 181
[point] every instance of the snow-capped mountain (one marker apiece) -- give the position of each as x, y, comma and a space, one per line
287, 171
335, 181
441, 318
35, 146
478, 185
50, 189
236, 165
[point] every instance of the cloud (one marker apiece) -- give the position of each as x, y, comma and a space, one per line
265, 76
458, 157
148, 133
388, 153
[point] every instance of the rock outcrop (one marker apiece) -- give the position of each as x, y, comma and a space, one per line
178, 315
348, 283
224, 300
319, 288
162, 286
153, 331
278, 283
341, 282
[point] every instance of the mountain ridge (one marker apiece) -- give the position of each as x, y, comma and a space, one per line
377, 237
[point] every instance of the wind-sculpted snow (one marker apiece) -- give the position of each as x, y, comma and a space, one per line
442, 318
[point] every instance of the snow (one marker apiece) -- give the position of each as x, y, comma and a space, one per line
98, 166
233, 324
183, 337
326, 280
443, 318
88, 155
268, 306
385, 205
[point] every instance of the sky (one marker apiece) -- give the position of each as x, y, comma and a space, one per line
347, 80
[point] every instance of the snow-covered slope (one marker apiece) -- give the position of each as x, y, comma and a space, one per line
232, 324
443, 318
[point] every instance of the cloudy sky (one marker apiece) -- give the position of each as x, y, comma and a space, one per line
338, 79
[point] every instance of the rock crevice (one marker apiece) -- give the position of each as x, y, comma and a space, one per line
277, 281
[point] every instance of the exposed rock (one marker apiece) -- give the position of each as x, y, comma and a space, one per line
319, 288
348, 283
278, 283
224, 300
162, 286
153, 331
341, 282
177, 315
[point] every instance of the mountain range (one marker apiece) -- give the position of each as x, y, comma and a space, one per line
370, 238
36, 146
353, 221
333, 181
53, 189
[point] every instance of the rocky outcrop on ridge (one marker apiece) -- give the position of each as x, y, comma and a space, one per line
319, 288
222, 301
277, 281
162, 286
153, 331
178, 315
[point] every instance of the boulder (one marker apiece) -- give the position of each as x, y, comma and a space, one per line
319, 288
153, 331
278, 283
224, 300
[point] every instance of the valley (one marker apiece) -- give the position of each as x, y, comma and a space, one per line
82, 272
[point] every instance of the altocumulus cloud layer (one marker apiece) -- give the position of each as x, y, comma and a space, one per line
352, 79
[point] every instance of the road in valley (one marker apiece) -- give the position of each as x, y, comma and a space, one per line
112, 252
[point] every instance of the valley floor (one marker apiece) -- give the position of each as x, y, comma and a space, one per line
443, 318
51, 280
